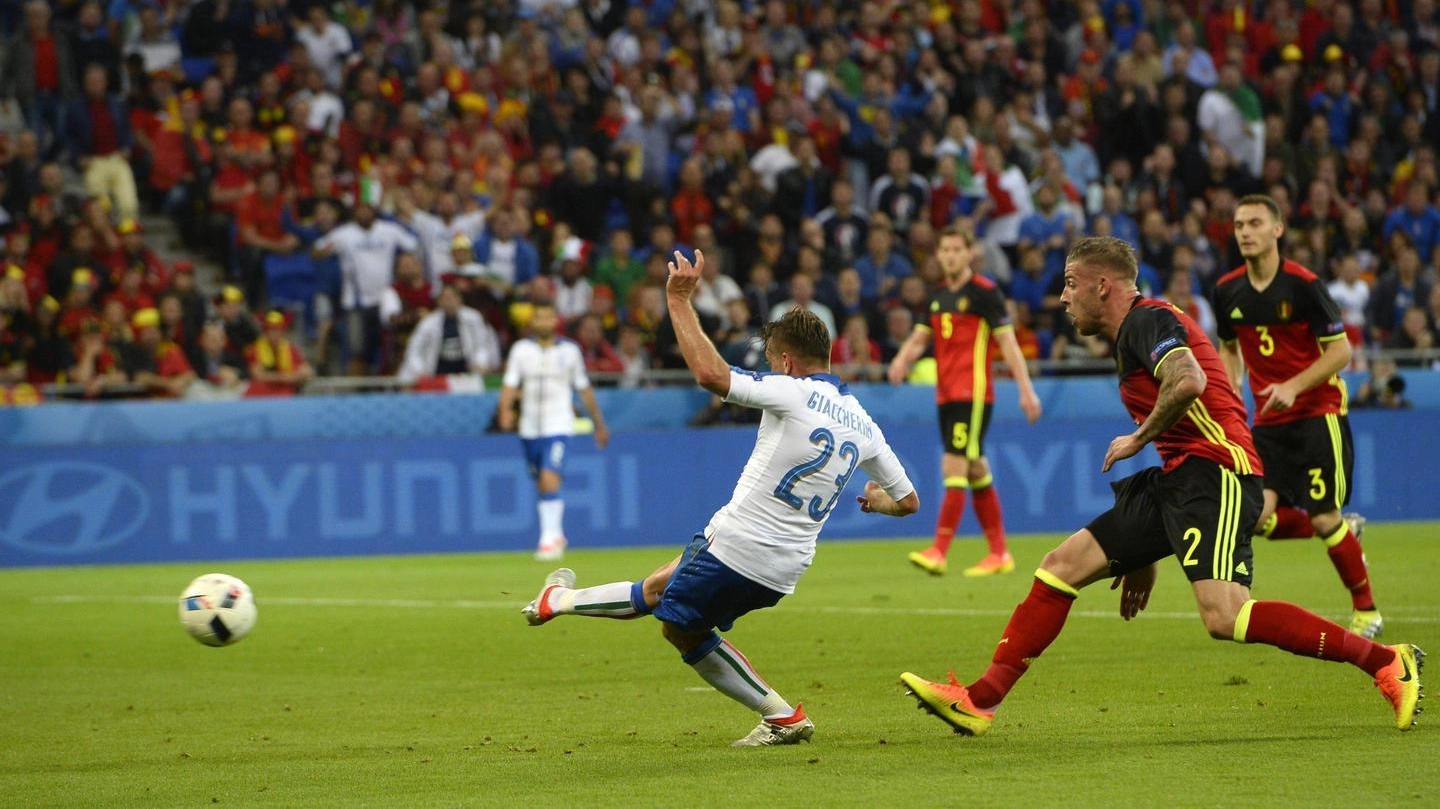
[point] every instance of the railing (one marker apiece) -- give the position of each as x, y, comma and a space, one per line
340, 385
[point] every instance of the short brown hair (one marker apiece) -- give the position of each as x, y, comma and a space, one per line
801, 332
958, 229
1108, 253
1263, 199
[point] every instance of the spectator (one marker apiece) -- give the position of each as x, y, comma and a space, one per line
1352, 295
367, 248
154, 42
51, 357
260, 229
900, 195
96, 364
1008, 200
277, 366
99, 127
402, 305
854, 356
39, 71
573, 290
600, 356
438, 231
1229, 114
326, 41
804, 190
1398, 291
1416, 335
220, 369
1384, 387
802, 295
241, 327
1082, 167
454, 339
153, 361
508, 257
1049, 229
845, 225
882, 267
1417, 219
715, 293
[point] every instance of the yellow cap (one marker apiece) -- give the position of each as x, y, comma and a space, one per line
1334, 53
1292, 53
461, 242
232, 294
127, 226
473, 102
144, 318
15, 271
82, 277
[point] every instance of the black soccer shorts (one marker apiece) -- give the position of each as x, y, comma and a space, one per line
963, 426
1309, 462
1201, 512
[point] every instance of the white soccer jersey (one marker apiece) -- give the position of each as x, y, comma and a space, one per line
547, 377
813, 437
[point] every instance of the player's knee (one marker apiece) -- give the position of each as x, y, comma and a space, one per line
1219, 622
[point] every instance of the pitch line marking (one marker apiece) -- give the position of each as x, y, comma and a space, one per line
466, 604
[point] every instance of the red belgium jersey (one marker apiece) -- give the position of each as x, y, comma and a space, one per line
1281, 332
1214, 427
962, 322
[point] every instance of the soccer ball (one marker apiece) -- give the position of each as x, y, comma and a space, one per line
217, 609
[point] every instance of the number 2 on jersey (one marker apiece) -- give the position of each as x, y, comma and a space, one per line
826, 441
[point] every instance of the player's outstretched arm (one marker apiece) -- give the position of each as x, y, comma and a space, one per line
876, 500
1020, 372
710, 369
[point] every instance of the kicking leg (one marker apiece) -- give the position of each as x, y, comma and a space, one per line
620, 599
1034, 625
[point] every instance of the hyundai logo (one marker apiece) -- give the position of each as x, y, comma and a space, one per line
69, 508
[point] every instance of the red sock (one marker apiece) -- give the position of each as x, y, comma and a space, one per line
1349, 561
1291, 523
987, 510
951, 509
1033, 626
1298, 631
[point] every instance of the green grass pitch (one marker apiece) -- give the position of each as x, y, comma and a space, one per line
414, 681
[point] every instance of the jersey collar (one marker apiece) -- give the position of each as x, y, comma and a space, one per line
833, 380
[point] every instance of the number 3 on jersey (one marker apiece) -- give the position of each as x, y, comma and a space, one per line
849, 453
1267, 343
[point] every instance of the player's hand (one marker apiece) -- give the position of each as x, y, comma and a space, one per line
1122, 447
897, 372
1282, 397
1030, 405
874, 499
602, 435
506, 420
684, 276
1135, 588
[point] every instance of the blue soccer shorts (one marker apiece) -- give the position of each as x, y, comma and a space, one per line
704, 594
544, 453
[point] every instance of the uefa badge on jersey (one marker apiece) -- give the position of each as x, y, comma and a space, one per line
1283, 311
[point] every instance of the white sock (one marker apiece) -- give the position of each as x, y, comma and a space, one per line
732, 675
602, 601
552, 517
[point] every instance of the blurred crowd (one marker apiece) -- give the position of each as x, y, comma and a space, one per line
387, 187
